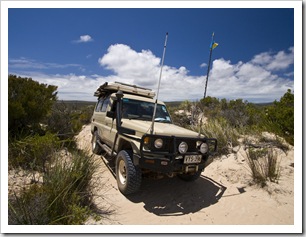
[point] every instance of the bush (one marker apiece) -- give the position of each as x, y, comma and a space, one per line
28, 103
239, 115
264, 166
63, 198
67, 119
32, 152
226, 135
59, 120
280, 117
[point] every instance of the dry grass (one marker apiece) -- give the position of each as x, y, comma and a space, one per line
264, 165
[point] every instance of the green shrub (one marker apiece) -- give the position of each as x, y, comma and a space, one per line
29, 208
59, 120
226, 135
28, 103
65, 196
68, 185
32, 152
67, 119
280, 117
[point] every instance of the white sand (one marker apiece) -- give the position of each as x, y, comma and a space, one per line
221, 196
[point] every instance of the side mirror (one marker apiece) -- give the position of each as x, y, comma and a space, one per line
110, 114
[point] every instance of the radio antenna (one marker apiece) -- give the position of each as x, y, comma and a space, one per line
160, 75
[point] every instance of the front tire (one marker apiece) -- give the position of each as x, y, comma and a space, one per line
127, 174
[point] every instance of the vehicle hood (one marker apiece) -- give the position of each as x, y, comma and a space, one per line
167, 129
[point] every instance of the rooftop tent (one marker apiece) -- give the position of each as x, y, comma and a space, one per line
108, 88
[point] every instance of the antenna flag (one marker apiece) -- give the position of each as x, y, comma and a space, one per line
213, 44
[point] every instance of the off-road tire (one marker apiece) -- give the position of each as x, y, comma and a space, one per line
95, 147
190, 177
127, 174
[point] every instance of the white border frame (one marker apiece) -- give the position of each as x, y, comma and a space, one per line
296, 228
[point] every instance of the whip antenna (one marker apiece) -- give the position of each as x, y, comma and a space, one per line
161, 69
213, 45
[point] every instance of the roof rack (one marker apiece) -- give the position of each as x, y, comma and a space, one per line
108, 88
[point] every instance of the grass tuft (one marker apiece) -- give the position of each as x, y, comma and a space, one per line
64, 197
264, 166
226, 135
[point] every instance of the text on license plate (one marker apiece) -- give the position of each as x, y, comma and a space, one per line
190, 159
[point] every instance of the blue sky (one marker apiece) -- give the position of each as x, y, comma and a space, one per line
78, 49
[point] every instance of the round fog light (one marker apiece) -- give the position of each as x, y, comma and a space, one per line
183, 147
158, 143
203, 148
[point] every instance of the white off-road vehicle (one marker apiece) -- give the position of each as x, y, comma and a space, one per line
137, 133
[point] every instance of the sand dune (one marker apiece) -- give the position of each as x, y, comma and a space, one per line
223, 195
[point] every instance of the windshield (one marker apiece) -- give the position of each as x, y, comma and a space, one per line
135, 109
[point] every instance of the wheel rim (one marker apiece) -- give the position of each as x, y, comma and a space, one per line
122, 172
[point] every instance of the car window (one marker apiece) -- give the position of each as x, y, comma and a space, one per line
99, 105
134, 109
105, 104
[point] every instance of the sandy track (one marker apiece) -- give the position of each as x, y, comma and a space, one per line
221, 196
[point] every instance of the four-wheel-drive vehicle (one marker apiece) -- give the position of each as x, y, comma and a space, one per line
137, 133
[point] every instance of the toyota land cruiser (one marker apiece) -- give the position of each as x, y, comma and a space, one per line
137, 133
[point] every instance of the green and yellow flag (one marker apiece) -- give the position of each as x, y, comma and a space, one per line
213, 44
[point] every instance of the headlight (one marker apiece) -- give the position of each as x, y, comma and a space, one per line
158, 143
183, 147
203, 148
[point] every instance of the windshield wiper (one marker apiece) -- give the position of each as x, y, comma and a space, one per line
138, 117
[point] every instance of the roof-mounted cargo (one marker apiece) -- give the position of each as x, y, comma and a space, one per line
108, 88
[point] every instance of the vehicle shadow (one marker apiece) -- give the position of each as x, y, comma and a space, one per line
174, 197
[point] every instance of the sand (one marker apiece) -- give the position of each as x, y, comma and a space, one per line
223, 195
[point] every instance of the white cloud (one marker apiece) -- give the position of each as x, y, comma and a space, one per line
140, 67
276, 62
247, 81
255, 81
70, 86
26, 63
83, 39
203, 65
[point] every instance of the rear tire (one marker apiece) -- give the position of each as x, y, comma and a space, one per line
127, 174
95, 147
190, 177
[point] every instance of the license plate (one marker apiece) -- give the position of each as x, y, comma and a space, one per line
191, 159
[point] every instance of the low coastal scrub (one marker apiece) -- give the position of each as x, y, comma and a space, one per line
264, 165
234, 122
59, 190
63, 197
237, 116
226, 135
32, 152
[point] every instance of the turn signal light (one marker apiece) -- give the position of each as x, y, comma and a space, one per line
146, 140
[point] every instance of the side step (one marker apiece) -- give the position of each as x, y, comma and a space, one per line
106, 149
110, 166
108, 162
